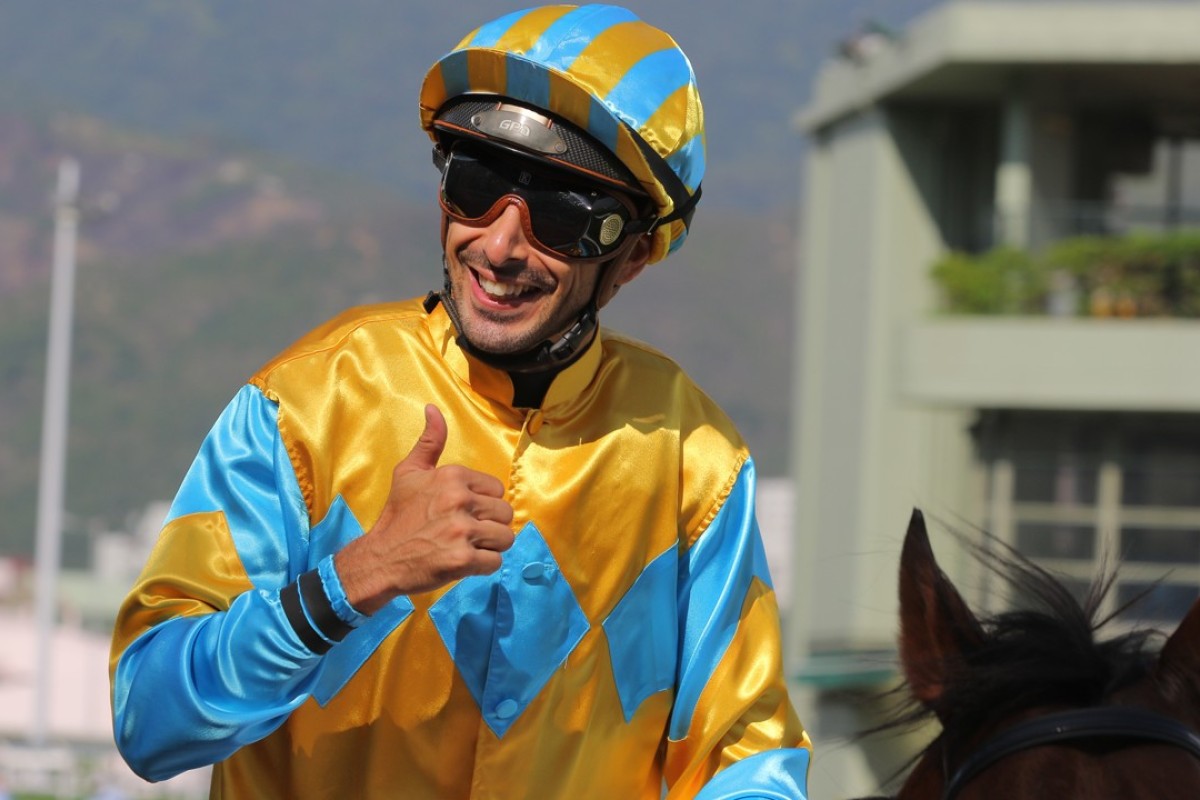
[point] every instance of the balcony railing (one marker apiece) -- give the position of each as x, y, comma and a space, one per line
1050, 221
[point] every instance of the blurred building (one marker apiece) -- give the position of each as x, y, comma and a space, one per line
79, 757
90, 596
1065, 419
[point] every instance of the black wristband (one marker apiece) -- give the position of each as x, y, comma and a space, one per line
289, 598
320, 610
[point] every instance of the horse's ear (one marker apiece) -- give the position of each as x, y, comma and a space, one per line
1180, 657
936, 627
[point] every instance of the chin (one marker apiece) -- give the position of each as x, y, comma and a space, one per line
497, 338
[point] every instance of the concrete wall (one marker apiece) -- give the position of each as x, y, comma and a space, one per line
865, 454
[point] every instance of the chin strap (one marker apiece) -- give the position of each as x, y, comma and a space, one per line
548, 355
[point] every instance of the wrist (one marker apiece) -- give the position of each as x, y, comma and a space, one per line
361, 586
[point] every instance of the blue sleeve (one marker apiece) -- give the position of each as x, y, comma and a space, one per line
207, 659
730, 690
771, 775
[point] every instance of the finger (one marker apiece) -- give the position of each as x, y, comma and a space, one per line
491, 509
492, 537
484, 484
428, 449
474, 481
486, 562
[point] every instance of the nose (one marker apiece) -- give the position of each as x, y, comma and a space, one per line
504, 238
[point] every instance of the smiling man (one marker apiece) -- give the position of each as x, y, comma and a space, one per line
473, 545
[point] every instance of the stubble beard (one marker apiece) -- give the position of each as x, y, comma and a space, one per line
494, 331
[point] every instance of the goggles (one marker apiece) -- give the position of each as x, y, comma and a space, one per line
562, 217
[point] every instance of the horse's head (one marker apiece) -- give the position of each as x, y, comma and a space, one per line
1031, 704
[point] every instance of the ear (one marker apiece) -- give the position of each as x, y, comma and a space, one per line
936, 627
639, 255
627, 270
1179, 661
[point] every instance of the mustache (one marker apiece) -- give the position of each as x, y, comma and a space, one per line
517, 272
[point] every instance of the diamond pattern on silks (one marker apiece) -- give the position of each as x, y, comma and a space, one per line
338, 666
509, 631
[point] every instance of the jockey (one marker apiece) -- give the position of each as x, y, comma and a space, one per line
473, 544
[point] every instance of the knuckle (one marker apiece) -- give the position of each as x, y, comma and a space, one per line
451, 473
458, 494
459, 561
450, 502
461, 527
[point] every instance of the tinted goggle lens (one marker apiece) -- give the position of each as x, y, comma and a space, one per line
568, 220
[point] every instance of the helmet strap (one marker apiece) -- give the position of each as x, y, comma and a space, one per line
550, 354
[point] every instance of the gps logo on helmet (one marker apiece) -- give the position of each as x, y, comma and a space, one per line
515, 126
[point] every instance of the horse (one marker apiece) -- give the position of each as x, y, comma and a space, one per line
1032, 702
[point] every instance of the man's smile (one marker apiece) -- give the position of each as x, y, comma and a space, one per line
504, 290
497, 289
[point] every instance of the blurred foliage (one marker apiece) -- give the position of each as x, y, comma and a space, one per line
1141, 275
1001, 281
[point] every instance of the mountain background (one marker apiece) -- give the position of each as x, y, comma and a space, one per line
249, 169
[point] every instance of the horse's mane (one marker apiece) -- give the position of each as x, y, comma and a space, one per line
1048, 650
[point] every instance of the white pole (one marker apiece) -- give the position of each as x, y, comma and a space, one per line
54, 436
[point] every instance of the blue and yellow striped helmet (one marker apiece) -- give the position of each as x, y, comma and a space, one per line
625, 83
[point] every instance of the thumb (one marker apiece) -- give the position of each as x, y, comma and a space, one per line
428, 449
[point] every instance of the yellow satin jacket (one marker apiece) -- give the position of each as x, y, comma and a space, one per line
628, 646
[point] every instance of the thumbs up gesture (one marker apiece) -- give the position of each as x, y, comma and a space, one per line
439, 524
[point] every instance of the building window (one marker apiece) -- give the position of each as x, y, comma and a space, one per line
1076, 491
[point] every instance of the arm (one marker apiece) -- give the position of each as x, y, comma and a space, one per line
222, 637
205, 659
733, 732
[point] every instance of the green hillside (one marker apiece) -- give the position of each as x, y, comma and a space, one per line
202, 262
251, 168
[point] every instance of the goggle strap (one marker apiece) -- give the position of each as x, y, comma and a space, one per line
685, 204
683, 211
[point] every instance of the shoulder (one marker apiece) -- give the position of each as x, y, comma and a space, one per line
361, 328
712, 453
654, 379
340, 331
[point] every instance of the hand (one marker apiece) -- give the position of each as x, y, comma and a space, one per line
439, 524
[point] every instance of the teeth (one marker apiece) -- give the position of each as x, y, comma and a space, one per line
496, 289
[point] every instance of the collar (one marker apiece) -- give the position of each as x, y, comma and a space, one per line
494, 383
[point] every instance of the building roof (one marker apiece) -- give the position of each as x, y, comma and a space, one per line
977, 48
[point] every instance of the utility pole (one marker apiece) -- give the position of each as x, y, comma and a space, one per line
51, 477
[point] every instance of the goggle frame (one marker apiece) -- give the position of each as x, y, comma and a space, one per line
584, 221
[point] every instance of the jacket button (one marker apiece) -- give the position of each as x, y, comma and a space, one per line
537, 572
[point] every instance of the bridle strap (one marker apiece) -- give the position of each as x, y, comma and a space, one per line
1105, 722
